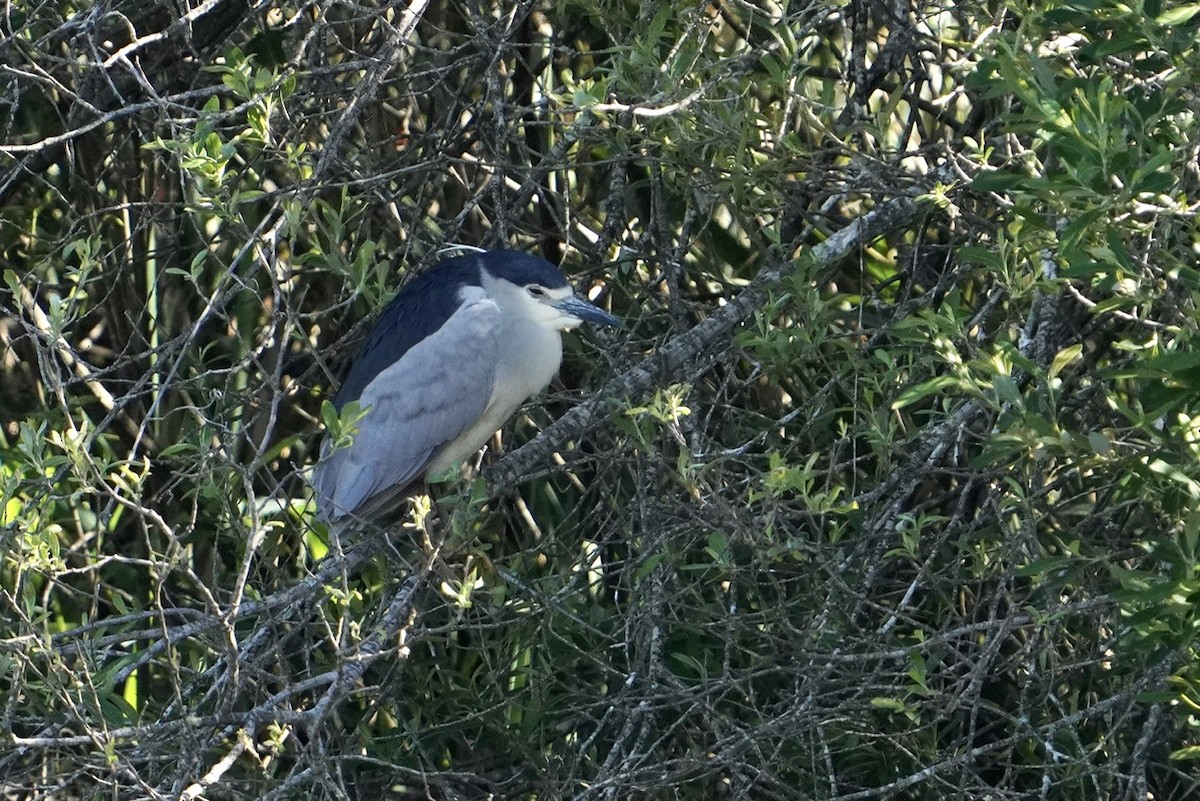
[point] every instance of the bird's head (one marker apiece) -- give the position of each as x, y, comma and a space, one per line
536, 290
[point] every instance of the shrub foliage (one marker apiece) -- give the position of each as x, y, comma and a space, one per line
888, 490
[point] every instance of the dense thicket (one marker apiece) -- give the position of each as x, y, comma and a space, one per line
888, 490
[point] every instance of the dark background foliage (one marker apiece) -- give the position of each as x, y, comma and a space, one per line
888, 489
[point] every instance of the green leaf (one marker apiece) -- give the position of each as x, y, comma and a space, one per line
13, 281
1063, 358
329, 415
981, 256
1178, 15
1044, 565
1007, 390
890, 704
648, 566
998, 181
924, 390
1100, 443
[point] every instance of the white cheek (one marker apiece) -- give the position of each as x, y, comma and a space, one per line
544, 313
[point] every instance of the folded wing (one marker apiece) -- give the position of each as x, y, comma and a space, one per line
434, 393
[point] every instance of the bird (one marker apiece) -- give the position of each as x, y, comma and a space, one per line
457, 351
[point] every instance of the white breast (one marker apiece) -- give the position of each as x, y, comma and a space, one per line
530, 355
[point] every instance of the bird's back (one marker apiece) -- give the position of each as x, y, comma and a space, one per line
420, 308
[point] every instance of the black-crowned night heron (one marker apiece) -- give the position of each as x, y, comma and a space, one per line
451, 358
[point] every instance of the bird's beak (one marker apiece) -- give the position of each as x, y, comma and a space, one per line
581, 309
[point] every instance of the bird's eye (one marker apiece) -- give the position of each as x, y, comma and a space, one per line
536, 291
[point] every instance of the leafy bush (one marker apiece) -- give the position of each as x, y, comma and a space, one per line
887, 491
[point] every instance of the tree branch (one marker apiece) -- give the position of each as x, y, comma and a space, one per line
710, 338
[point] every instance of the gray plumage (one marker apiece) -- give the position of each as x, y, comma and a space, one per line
449, 361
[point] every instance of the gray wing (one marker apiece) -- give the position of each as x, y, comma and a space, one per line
437, 391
